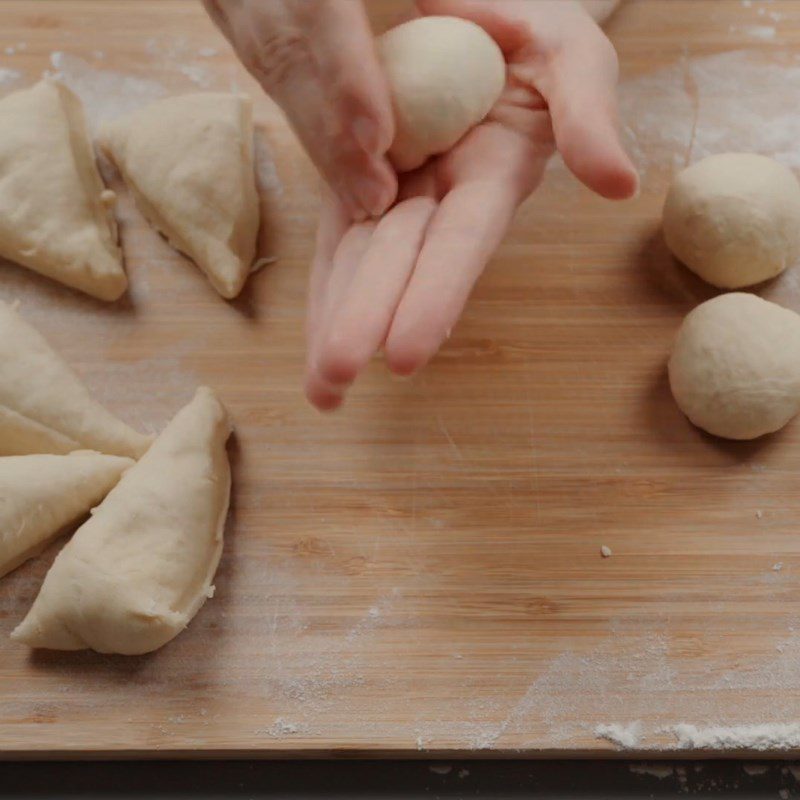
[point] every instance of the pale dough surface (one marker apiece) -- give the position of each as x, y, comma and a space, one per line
189, 163
40, 494
134, 575
44, 406
54, 217
735, 366
734, 219
444, 74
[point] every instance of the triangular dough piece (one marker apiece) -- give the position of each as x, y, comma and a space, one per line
132, 577
41, 494
20, 435
54, 209
189, 163
44, 407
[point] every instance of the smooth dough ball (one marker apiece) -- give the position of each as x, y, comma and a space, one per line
734, 219
445, 74
735, 366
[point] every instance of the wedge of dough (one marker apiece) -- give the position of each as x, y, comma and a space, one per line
41, 494
54, 214
135, 574
189, 162
44, 407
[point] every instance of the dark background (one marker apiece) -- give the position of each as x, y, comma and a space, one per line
402, 779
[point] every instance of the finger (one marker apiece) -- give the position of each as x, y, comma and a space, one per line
460, 239
346, 259
323, 394
318, 61
360, 322
216, 11
580, 88
333, 222
332, 226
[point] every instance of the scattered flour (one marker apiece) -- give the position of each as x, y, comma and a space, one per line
755, 769
175, 54
772, 736
441, 769
766, 32
625, 736
655, 770
701, 106
266, 172
763, 32
281, 727
8, 77
198, 75
105, 94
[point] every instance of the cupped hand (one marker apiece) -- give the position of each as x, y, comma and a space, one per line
317, 60
400, 283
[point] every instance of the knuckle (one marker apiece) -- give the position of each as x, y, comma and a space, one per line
274, 55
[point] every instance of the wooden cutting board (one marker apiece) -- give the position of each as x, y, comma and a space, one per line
421, 572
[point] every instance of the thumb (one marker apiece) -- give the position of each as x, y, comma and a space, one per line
579, 85
317, 60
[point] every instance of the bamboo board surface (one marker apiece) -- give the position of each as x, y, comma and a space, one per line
420, 573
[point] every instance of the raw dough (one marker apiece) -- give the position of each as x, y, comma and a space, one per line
735, 366
52, 215
734, 219
189, 162
44, 407
136, 573
445, 74
41, 494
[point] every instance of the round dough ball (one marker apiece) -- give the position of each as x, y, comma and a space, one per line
445, 74
734, 219
735, 366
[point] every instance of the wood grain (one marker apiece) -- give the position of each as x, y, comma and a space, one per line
421, 572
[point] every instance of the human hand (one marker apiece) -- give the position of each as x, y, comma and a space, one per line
317, 60
401, 283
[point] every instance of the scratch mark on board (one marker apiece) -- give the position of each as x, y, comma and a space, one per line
692, 92
446, 433
534, 459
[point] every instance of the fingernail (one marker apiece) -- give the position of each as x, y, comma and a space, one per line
365, 132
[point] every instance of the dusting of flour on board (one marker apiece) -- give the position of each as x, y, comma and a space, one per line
105, 94
9, 78
735, 92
